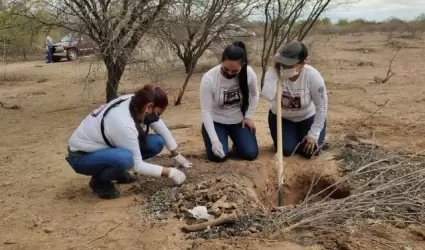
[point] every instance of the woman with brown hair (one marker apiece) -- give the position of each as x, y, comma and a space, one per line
111, 140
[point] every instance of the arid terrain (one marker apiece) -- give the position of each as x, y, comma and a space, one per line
46, 205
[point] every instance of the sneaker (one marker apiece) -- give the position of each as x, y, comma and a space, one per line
127, 178
104, 189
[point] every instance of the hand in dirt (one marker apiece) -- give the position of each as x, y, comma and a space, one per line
249, 124
180, 161
310, 145
217, 149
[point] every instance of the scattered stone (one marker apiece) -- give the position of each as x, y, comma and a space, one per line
407, 248
398, 223
48, 230
253, 230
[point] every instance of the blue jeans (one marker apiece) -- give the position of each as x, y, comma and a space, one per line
293, 133
112, 163
244, 142
49, 54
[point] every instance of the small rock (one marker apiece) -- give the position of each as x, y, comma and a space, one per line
191, 237
224, 234
344, 246
10, 242
48, 230
253, 230
407, 248
398, 223
197, 243
259, 227
245, 233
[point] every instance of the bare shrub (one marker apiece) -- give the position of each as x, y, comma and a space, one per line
387, 187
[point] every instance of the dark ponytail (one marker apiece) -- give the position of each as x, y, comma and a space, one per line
237, 51
138, 102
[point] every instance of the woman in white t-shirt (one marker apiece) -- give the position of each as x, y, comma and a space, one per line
113, 139
229, 95
304, 101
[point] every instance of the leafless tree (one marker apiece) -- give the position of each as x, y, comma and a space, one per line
286, 20
194, 25
117, 26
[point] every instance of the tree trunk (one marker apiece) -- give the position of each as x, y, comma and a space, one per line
192, 66
115, 72
188, 61
263, 76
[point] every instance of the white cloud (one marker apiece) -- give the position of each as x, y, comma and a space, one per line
378, 10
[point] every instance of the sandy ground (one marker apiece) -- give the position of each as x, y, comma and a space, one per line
45, 205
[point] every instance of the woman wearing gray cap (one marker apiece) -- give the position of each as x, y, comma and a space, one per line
304, 101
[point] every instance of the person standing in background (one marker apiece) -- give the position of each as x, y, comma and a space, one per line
49, 48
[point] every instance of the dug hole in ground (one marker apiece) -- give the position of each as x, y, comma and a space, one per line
345, 194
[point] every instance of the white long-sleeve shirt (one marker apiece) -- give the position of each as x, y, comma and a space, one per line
221, 99
300, 99
120, 129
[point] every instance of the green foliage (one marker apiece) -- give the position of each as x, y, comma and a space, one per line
20, 34
343, 22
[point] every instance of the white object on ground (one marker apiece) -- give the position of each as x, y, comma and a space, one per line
201, 212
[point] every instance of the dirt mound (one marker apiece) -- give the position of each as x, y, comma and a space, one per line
221, 196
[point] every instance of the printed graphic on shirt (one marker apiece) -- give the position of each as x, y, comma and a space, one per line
97, 111
291, 100
229, 97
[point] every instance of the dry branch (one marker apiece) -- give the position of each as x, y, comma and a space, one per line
115, 26
102, 235
224, 219
390, 73
391, 189
283, 23
193, 26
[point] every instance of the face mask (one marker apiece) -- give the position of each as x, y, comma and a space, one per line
289, 73
228, 75
150, 118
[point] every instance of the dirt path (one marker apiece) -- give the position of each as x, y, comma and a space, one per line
45, 205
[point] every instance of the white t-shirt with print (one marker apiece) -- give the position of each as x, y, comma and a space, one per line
300, 99
221, 99
120, 130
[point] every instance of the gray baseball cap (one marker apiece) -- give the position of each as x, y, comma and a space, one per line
292, 53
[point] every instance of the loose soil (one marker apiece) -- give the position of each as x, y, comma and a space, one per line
45, 205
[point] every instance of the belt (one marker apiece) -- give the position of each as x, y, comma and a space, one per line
76, 153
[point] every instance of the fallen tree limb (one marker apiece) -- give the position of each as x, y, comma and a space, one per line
224, 219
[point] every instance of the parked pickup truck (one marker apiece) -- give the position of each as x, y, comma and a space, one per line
72, 46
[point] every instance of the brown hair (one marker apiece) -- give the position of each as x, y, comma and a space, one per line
160, 98
138, 102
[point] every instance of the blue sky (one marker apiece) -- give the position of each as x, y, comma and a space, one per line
377, 10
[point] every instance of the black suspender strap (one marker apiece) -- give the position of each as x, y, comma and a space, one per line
102, 126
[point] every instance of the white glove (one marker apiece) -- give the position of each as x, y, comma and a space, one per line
177, 176
180, 161
217, 149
